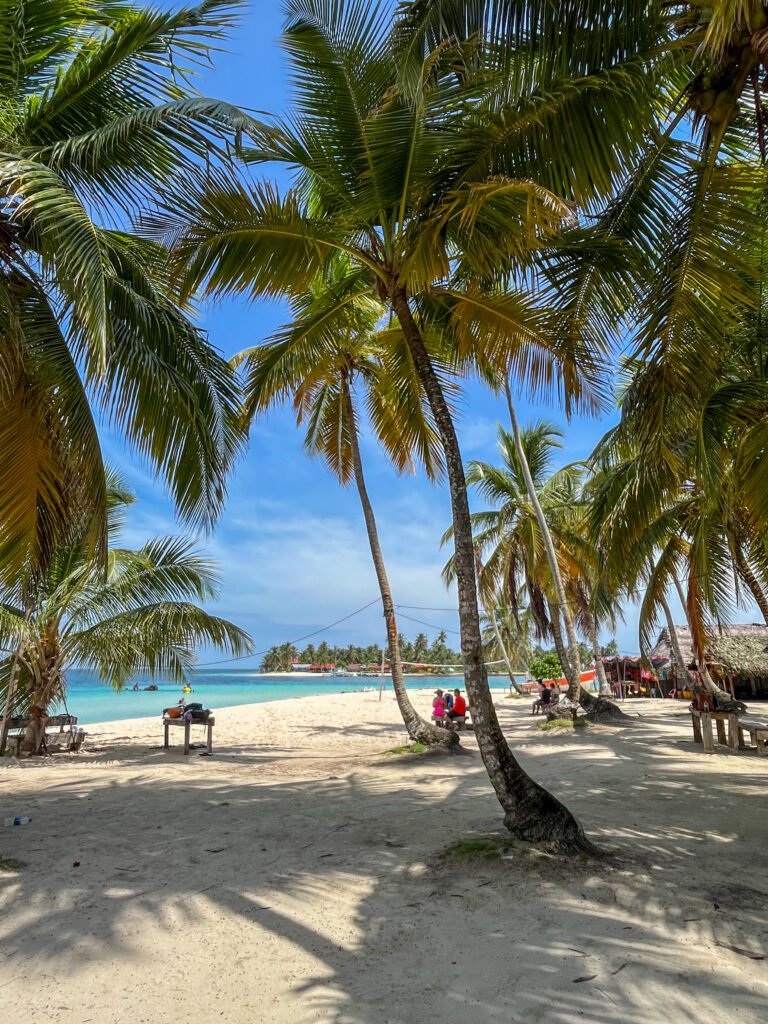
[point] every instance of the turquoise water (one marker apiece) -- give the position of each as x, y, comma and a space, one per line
93, 702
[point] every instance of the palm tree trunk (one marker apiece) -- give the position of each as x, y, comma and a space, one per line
601, 708
723, 696
530, 812
557, 635
605, 688
419, 730
751, 581
674, 641
491, 612
573, 667
11, 692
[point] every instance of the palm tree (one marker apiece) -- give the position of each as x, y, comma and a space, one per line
96, 116
506, 634
318, 361
139, 617
396, 167
519, 561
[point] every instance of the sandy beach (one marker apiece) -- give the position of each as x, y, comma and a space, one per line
297, 876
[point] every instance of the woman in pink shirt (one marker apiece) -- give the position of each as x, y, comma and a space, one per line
438, 707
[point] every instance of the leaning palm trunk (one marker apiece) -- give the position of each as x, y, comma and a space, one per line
490, 611
530, 812
556, 625
751, 580
674, 642
710, 685
572, 666
418, 730
605, 688
503, 649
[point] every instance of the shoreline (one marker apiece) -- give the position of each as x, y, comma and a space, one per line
272, 705
369, 675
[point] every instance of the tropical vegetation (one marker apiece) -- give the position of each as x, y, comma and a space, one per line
529, 194
97, 116
417, 652
398, 165
141, 616
330, 353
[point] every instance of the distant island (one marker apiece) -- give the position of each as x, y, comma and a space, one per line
419, 657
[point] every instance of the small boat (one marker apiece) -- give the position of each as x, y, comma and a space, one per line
586, 678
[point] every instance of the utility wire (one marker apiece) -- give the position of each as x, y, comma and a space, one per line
256, 654
431, 625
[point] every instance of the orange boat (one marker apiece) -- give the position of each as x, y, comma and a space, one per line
587, 678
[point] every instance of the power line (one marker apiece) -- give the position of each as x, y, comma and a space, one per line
424, 608
430, 625
256, 654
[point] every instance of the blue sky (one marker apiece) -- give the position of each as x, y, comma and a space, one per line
291, 545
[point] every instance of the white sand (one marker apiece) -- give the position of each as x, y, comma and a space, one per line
294, 877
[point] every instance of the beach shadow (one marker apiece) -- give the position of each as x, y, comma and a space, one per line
336, 886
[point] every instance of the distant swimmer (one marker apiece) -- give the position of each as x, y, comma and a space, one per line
187, 689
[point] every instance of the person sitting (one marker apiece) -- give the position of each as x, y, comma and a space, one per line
545, 696
457, 715
438, 708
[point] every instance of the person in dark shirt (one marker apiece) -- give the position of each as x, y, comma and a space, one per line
545, 697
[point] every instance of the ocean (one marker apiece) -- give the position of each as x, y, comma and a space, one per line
93, 702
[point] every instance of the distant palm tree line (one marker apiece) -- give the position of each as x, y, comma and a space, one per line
420, 651
469, 197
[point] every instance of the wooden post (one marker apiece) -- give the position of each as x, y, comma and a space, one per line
733, 732
696, 722
187, 724
720, 726
167, 726
210, 735
706, 733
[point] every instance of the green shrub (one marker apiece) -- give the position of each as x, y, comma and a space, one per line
489, 847
408, 748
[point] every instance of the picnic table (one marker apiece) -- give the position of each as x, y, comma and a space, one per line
187, 724
737, 725
57, 730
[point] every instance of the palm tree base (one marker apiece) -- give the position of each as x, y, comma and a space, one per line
600, 709
544, 822
431, 736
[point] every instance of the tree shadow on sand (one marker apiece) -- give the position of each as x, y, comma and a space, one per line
336, 888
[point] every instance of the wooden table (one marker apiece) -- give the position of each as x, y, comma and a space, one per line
168, 722
758, 730
702, 729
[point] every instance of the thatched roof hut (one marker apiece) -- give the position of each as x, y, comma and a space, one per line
738, 653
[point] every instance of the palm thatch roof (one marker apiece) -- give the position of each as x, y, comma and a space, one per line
738, 650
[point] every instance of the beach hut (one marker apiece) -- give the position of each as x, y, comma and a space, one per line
632, 676
736, 656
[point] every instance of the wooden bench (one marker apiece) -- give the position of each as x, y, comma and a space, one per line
459, 723
56, 728
209, 724
758, 731
702, 729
